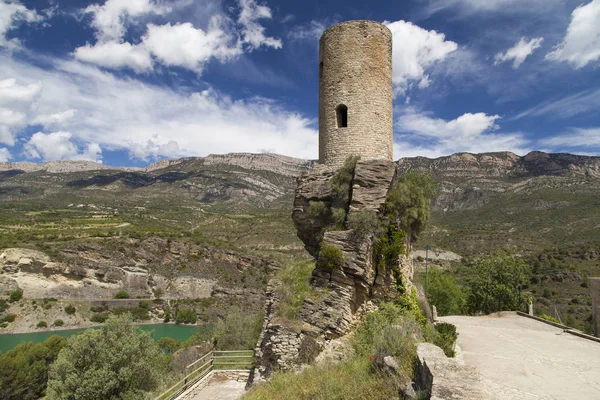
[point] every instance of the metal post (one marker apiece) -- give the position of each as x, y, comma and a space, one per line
426, 269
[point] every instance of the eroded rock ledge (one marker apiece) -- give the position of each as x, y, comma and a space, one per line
346, 292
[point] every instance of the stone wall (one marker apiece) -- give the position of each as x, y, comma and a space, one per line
355, 70
595, 293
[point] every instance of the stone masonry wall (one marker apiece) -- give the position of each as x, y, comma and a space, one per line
356, 71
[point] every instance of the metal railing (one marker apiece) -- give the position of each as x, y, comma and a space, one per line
202, 367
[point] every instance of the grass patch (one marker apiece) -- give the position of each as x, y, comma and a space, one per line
294, 289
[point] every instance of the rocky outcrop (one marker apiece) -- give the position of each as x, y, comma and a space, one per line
347, 291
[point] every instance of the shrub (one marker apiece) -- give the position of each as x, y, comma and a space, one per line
99, 318
158, 293
3, 305
446, 337
3, 325
444, 293
9, 318
341, 181
16, 295
167, 314
58, 322
47, 306
294, 289
238, 330
364, 223
115, 362
388, 248
549, 318
186, 316
122, 294
42, 324
330, 258
70, 310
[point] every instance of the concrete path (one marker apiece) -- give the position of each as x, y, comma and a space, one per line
221, 389
520, 358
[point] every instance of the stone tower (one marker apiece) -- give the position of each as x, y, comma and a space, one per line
355, 92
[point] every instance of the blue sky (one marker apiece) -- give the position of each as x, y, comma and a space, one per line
128, 82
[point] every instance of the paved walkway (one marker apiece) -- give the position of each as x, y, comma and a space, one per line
520, 358
221, 389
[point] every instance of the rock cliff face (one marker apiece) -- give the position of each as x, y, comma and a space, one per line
346, 291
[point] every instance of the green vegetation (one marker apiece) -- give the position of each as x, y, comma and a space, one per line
495, 283
58, 322
446, 337
549, 318
42, 324
16, 295
99, 318
70, 310
186, 316
122, 294
3, 305
294, 287
116, 361
239, 330
444, 293
330, 258
24, 369
9, 318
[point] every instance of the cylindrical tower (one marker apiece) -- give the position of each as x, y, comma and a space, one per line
355, 92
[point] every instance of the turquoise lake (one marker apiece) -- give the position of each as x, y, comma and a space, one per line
178, 332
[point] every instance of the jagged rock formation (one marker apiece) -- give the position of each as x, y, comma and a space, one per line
346, 291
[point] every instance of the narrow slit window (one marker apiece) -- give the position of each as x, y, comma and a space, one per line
341, 113
321, 70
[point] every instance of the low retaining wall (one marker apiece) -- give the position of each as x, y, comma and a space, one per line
563, 327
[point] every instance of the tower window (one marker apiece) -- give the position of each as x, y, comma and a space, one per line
341, 113
321, 70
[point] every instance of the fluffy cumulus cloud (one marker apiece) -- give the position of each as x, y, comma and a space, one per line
56, 119
415, 50
113, 54
58, 146
12, 14
581, 44
519, 52
149, 121
111, 18
4, 154
15, 105
180, 44
422, 134
185, 46
252, 31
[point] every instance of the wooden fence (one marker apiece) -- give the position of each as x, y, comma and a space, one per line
202, 367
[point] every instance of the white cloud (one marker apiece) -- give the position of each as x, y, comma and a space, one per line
424, 135
468, 7
185, 46
570, 106
113, 54
10, 122
576, 138
150, 121
58, 146
12, 93
56, 119
581, 44
309, 31
4, 154
180, 44
519, 52
414, 50
12, 13
110, 19
252, 32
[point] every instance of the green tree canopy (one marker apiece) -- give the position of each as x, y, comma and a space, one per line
409, 202
112, 363
495, 283
24, 369
444, 293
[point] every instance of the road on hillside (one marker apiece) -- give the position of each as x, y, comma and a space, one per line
520, 358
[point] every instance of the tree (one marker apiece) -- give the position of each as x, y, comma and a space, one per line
238, 331
114, 362
24, 369
445, 294
495, 283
